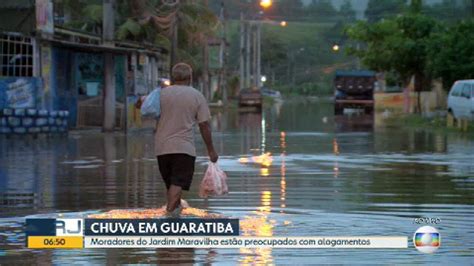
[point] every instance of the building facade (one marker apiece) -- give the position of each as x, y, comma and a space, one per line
53, 78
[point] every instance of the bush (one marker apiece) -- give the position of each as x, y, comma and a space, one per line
307, 89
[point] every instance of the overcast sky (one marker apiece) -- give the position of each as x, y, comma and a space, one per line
361, 5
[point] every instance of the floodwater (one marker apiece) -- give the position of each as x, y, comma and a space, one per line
327, 176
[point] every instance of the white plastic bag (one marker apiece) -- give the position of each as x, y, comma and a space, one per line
214, 182
151, 105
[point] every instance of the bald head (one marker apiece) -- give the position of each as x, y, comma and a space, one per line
182, 73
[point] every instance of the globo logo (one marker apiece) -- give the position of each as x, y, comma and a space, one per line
427, 239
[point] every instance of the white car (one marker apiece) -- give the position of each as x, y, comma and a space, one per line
461, 99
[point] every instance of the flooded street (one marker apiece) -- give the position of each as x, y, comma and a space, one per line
324, 176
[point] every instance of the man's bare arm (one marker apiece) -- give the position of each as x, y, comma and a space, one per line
205, 129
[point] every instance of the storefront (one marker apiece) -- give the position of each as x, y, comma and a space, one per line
78, 83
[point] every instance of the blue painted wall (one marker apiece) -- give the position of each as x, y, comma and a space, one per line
19, 92
62, 82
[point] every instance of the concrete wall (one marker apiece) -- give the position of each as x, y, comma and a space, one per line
430, 100
32, 121
21, 109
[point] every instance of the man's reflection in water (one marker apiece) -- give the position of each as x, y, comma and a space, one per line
175, 256
167, 256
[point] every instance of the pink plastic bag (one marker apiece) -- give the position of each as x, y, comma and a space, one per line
214, 182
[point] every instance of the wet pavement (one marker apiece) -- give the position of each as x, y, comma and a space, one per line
324, 176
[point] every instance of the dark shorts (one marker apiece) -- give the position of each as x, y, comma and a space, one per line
177, 169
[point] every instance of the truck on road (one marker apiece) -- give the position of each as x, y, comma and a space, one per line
250, 98
354, 89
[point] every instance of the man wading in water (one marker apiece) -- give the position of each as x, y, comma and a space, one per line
181, 108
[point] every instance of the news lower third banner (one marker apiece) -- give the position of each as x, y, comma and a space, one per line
179, 233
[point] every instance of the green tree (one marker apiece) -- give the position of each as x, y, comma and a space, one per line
377, 52
136, 24
152, 21
450, 11
347, 12
84, 16
398, 44
289, 9
451, 53
322, 10
274, 53
381, 9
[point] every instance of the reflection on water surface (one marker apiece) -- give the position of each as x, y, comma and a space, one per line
293, 170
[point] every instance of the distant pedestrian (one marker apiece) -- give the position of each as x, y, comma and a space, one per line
182, 107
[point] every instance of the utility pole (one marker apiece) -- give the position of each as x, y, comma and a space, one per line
205, 69
254, 54
288, 66
247, 54
259, 59
174, 42
242, 53
357, 58
250, 51
109, 66
222, 79
293, 72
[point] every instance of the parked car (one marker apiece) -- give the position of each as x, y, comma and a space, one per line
354, 89
461, 100
271, 93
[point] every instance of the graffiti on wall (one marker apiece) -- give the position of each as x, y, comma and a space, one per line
18, 92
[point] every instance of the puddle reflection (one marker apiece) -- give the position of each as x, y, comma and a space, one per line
293, 170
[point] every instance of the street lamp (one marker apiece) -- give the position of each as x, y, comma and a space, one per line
335, 47
265, 3
250, 31
283, 23
263, 79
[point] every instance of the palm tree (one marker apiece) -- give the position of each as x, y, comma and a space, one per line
160, 21
182, 26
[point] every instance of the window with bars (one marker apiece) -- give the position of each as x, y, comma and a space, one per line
16, 55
